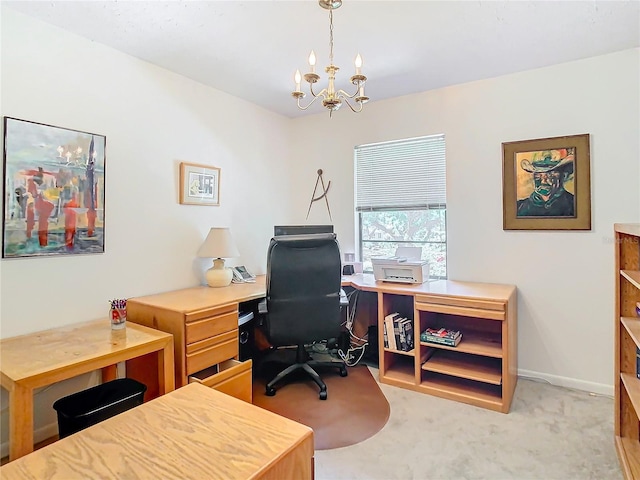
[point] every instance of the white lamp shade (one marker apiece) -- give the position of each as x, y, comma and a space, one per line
218, 244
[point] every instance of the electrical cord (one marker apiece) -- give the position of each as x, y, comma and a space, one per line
354, 353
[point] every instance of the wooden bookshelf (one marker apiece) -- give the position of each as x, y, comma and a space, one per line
482, 369
627, 340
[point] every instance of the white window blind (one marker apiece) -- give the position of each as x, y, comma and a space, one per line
401, 174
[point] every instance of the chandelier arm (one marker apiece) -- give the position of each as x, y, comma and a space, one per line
343, 94
316, 95
321, 94
351, 106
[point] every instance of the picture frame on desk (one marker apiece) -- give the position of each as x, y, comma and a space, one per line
546, 184
199, 184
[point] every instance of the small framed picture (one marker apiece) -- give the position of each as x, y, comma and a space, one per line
199, 184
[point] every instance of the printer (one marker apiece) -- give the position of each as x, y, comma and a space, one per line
404, 267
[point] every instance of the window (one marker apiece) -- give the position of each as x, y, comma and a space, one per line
401, 200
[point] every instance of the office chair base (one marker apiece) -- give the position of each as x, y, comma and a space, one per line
303, 363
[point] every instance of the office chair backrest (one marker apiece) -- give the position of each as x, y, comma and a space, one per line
303, 289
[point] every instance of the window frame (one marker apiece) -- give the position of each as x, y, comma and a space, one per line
440, 162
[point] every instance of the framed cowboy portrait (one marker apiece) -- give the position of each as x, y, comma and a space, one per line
546, 184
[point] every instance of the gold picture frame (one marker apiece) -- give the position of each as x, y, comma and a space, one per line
546, 184
199, 184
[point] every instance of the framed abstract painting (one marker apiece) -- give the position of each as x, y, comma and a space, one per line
54, 190
546, 184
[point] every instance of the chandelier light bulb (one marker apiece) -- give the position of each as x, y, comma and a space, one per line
312, 61
297, 77
358, 64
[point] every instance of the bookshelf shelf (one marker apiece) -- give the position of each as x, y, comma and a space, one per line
632, 276
467, 391
409, 353
631, 385
476, 343
472, 367
632, 325
627, 340
629, 455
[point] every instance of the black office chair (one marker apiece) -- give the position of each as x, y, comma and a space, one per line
303, 300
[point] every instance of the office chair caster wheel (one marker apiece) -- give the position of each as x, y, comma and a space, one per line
343, 372
323, 395
270, 392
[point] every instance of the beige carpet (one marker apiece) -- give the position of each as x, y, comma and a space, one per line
552, 433
355, 409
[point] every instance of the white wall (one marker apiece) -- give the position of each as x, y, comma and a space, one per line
564, 279
152, 120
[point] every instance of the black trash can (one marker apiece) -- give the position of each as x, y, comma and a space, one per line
88, 407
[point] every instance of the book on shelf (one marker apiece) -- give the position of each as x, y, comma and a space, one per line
407, 326
385, 335
442, 341
388, 322
441, 336
441, 333
398, 332
401, 339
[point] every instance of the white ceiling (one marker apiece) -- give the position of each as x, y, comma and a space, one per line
251, 49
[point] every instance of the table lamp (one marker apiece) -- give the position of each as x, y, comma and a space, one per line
218, 245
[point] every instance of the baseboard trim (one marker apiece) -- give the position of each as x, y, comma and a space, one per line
591, 387
39, 435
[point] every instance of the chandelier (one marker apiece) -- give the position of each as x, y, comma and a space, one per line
332, 99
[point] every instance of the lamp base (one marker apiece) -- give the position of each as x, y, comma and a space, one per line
218, 275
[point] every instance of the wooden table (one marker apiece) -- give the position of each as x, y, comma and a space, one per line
42, 358
194, 432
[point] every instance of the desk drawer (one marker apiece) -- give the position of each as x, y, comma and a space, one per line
211, 312
211, 326
212, 351
461, 302
462, 311
231, 377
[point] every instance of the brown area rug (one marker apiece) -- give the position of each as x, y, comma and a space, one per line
355, 408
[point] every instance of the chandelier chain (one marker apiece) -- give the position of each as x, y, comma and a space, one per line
330, 37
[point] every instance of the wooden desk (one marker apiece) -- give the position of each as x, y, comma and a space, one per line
193, 432
204, 325
42, 358
481, 370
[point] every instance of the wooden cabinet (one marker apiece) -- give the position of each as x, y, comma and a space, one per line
204, 324
627, 340
482, 369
